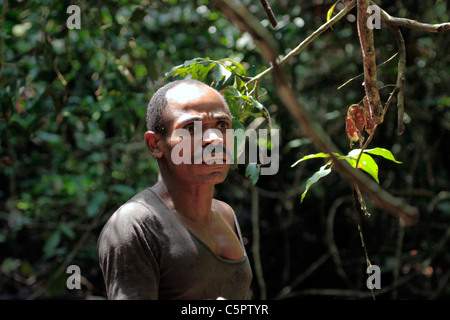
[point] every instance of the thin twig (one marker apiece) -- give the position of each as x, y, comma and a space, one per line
362, 73
363, 243
58, 73
269, 13
307, 41
413, 24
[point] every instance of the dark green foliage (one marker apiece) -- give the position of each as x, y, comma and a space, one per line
72, 120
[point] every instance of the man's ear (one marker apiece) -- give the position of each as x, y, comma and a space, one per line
154, 141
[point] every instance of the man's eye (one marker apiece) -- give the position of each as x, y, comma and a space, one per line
190, 128
222, 125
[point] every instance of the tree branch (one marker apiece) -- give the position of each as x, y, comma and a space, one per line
369, 62
239, 13
311, 128
305, 42
413, 24
269, 13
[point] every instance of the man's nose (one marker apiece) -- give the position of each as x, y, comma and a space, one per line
213, 136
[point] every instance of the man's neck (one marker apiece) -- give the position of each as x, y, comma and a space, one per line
191, 201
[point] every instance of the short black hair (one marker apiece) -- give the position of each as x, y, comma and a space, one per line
156, 119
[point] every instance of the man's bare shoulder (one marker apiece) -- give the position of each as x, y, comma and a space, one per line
224, 210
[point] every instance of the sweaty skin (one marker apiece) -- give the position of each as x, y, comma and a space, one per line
174, 240
192, 185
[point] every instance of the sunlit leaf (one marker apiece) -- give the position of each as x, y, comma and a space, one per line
323, 172
383, 153
237, 64
187, 63
257, 104
221, 74
331, 10
366, 163
316, 155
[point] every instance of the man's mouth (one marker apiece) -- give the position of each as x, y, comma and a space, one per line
220, 158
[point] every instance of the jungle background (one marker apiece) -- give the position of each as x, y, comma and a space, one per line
72, 119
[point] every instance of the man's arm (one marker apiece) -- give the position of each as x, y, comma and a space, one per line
126, 256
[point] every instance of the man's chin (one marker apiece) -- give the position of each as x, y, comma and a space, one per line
214, 173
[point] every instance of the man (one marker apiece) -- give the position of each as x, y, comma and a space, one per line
174, 240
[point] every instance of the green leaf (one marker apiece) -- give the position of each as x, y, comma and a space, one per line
257, 104
330, 11
233, 91
316, 155
187, 63
323, 172
382, 152
175, 71
67, 230
199, 71
252, 172
237, 64
221, 74
366, 163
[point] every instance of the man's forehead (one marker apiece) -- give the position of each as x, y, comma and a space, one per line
185, 92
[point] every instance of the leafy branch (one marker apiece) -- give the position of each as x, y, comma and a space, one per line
229, 77
305, 42
356, 158
248, 23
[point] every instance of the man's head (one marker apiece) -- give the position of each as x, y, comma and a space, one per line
156, 118
186, 105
